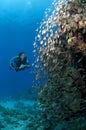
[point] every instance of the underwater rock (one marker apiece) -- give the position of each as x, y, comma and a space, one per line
1, 126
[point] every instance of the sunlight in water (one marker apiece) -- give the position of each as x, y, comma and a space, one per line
12, 10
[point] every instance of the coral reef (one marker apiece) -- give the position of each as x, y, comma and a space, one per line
62, 58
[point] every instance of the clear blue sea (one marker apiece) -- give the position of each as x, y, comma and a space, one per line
18, 22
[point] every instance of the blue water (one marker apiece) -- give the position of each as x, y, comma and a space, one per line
18, 22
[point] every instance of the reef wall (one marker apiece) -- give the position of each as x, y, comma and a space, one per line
60, 52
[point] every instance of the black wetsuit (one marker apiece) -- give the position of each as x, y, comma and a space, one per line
19, 62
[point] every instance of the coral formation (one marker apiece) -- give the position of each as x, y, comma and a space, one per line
62, 57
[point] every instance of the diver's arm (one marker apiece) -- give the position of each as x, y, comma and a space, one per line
24, 66
13, 68
11, 65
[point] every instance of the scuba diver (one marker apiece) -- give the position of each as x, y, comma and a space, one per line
19, 62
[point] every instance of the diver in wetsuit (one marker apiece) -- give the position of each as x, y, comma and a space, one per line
19, 62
